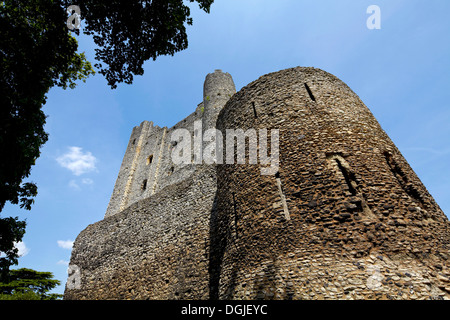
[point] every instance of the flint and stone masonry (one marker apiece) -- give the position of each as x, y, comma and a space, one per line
344, 217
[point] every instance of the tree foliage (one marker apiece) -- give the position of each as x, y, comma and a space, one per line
37, 52
128, 33
11, 232
28, 284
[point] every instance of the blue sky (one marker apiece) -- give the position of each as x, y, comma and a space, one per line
401, 72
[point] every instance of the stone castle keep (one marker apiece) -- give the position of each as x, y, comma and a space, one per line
344, 217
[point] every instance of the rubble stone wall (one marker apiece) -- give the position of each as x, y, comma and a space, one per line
353, 202
344, 217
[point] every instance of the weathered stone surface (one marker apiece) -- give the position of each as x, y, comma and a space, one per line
147, 166
345, 217
158, 248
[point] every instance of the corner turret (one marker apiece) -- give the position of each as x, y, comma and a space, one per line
217, 90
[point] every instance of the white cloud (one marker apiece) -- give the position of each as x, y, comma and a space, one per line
74, 185
65, 244
77, 161
23, 250
87, 181
63, 262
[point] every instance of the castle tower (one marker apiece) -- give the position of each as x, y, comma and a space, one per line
154, 240
217, 90
344, 217
147, 165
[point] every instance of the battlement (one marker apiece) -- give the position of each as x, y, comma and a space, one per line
147, 166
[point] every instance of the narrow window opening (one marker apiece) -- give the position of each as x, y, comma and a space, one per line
170, 171
282, 196
149, 159
144, 185
134, 141
402, 178
348, 176
254, 110
235, 215
356, 202
310, 92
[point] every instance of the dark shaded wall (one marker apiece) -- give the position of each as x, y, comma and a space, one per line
158, 248
357, 218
